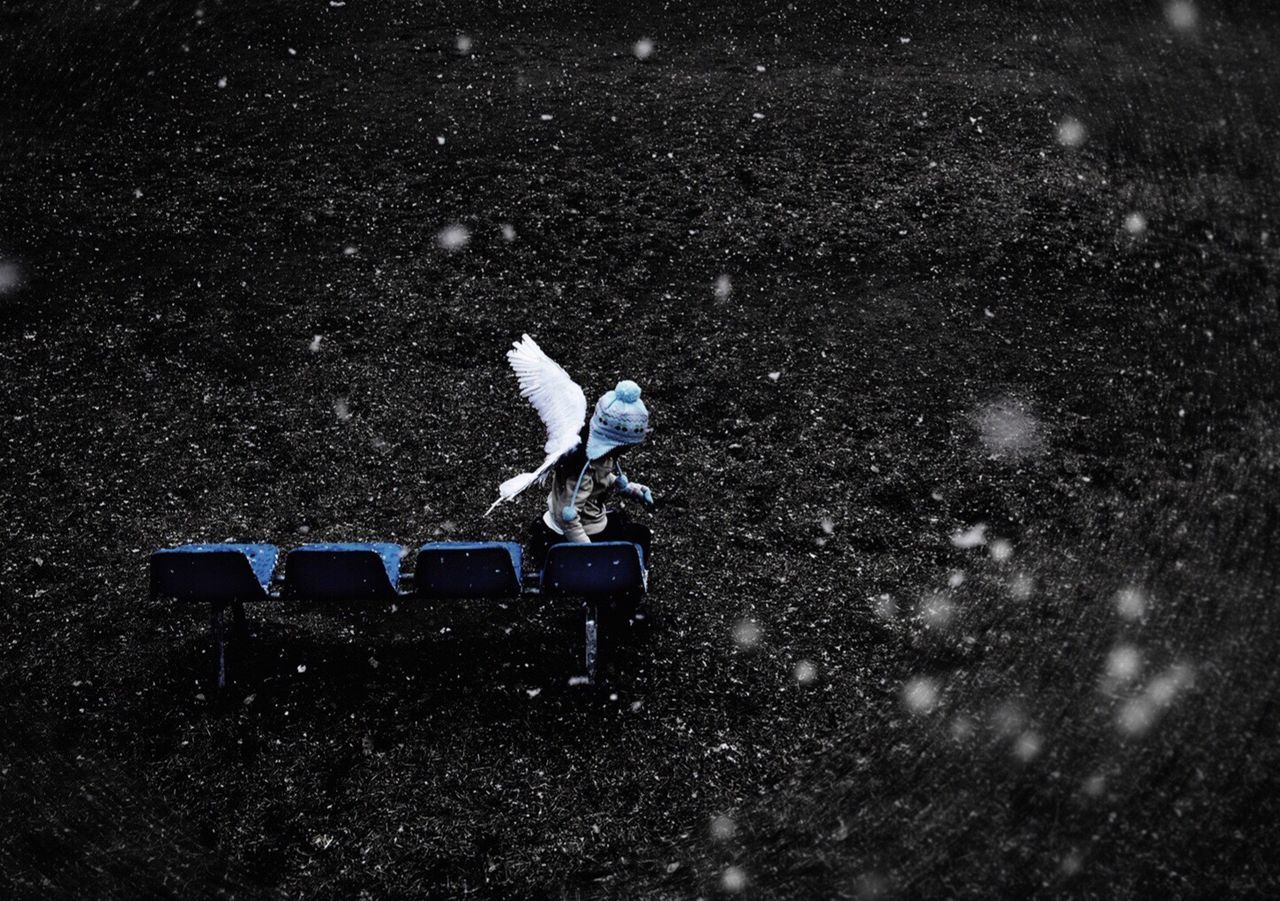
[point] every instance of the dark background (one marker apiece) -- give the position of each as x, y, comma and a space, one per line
963, 331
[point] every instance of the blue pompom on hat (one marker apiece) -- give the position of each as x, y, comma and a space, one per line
620, 418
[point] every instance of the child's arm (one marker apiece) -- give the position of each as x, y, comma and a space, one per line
634, 490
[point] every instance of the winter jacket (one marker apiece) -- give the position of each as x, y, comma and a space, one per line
591, 519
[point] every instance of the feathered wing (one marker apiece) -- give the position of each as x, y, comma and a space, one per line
560, 403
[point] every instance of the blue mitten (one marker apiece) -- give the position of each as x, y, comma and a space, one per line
639, 492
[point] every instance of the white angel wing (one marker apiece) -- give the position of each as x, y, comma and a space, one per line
559, 402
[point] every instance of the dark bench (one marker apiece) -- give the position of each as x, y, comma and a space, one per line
227, 575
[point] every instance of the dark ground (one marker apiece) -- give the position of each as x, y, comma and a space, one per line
910, 248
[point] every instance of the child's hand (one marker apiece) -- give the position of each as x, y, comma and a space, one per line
640, 493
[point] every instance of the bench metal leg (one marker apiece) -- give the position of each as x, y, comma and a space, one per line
592, 642
218, 628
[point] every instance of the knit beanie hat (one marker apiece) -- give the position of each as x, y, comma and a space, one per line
620, 418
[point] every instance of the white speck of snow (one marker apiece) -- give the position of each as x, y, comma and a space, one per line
137, 193
1139, 714
1028, 746
1071, 132
643, 48
904, 40
1181, 14
1021, 587
937, 610
533, 692
314, 346
1095, 785
341, 409
222, 82
827, 525
1135, 223
349, 251
508, 232
293, 52
302, 667
920, 695
757, 115
1124, 663
1166, 686
1131, 603
774, 376
747, 634
464, 44
962, 728
805, 672
1072, 863
1000, 550
578, 680
759, 68
546, 117
886, 606
10, 277
453, 237
722, 828
975, 536
1009, 719
1008, 429
440, 140
734, 879
955, 578
723, 288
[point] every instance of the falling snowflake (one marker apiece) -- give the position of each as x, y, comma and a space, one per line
723, 828
222, 82
10, 277
1131, 603
643, 48
1028, 746
1071, 132
341, 409
723, 288
1135, 223
805, 672
1124, 663
747, 634
734, 879
453, 237
1008, 429
349, 251
508, 232
975, 536
937, 610
920, 695
1181, 14
774, 376
1000, 550
463, 44
1139, 714
1022, 587
886, 607
314, 346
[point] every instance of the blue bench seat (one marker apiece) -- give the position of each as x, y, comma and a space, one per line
591, 570
348, 571
468, 569
213, 573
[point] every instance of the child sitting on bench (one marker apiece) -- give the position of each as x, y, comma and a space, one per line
582, 479
582, 455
